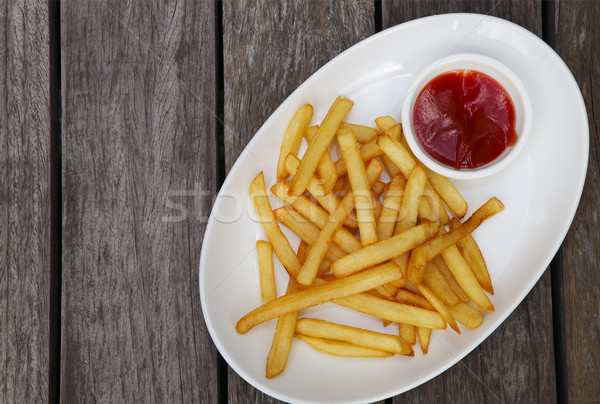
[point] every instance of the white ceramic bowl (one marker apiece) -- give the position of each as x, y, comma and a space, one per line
503, 75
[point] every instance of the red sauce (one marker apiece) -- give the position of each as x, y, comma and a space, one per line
464, 119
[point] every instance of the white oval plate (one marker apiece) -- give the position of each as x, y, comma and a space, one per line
541, 191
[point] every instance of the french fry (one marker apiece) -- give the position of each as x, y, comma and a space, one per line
282, 341
424, 337
317, 147
466, 315
406, 297
449, 194
305, 230
465, 277
293, 137
344, 349
302, 251
377, 207
384, 250
437, 283
316, 215
368, 152
363, 134
470, 250
301, 299
268, 290
407, 333
420, 256
443, 268
391, 207
405, 162
280, 244
395, 132
358, 180
440, 306
385, 122
325, 167
415, 185
308, 272
324, 329
378, 187
392, 311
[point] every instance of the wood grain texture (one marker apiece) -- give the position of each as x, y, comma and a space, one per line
576, 40
516, 363
139, 174
24, 200
270, 48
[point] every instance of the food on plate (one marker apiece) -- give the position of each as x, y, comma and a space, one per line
345, 349
280, 243
372, 240
370, 339
317, 294
293, 138
464, 119
320, 143
282, 340
268, 290
358, 181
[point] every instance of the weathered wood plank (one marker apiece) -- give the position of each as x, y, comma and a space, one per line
24, 200
576, 41
516, 364
139, 174
270, 48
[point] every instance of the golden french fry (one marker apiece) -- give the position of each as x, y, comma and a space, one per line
449, 194
325, 167
407, 297
443, 268
470, 250
468, 316
280, 244
377, 207
345, 349
395, 132
302, 251
420, 256
384, 250
384, 123
465, 277
324, 329
415, 185
392, 311
316, 215
282, 341
439, 306
424, 337
357, 283
358, 180
317, 147
305, 230
308, 272
378, 187
293, 137
368, 152
362, 133
437, 283
407, 333
391, 207
268, 290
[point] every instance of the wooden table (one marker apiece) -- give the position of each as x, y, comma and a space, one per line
119, 121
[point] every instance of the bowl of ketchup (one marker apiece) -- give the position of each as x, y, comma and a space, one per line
466, 116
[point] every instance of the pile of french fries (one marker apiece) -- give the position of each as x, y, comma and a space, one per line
380, 248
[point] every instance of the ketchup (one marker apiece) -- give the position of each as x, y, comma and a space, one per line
464, 119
